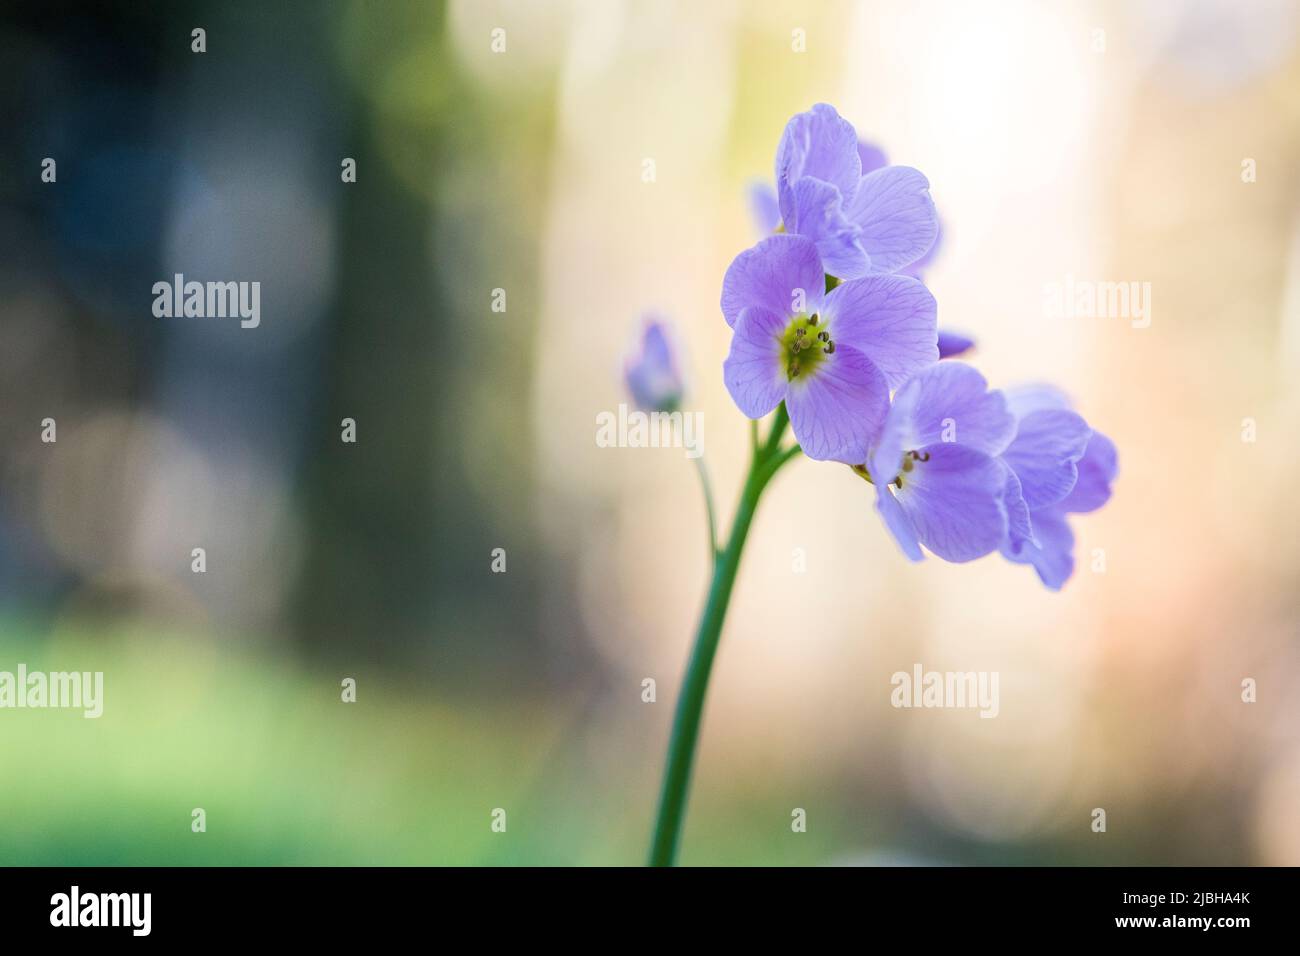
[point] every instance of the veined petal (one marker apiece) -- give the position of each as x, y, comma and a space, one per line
1098, 468
918, 268
1053, 556
891, 319
770, 274
950, 403
893, 208
1044, 453
836, 410
817, 213
1020, 526
954, 500
819, 143
753, 371
898, 523
896, 436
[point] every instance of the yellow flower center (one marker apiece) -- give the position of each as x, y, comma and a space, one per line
805, 345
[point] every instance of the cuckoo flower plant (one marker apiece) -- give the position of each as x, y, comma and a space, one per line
834, 337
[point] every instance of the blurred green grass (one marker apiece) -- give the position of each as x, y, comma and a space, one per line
288, 774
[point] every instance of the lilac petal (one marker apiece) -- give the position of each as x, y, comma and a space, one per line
898, 523
954, 501
1044, 453
763, 208
1020, 527
1023, 399
890, 319
1097, 469
821, 144
768, 275
836, 410
893, 208
896, 436
815, 211
871, 156
918, 268
952, 344
944, 403
1053, 557
753, 371
953, 405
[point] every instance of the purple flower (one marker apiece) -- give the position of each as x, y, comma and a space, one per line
766, 214
862, 222
935, 466
831, 357
651, 374
951, 344
1057, 466
766, 211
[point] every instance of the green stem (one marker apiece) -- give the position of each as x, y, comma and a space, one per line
707, 486
765, 463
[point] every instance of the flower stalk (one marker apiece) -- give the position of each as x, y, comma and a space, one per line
765, 461
707, 487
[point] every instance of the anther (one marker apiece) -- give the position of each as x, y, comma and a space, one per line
830, 348
823, 336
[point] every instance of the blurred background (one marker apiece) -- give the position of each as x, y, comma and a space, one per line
1099, 141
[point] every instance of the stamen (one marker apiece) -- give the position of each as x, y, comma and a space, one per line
830, 348
823, 336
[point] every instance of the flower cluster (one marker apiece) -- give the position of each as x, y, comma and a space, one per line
830, 317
